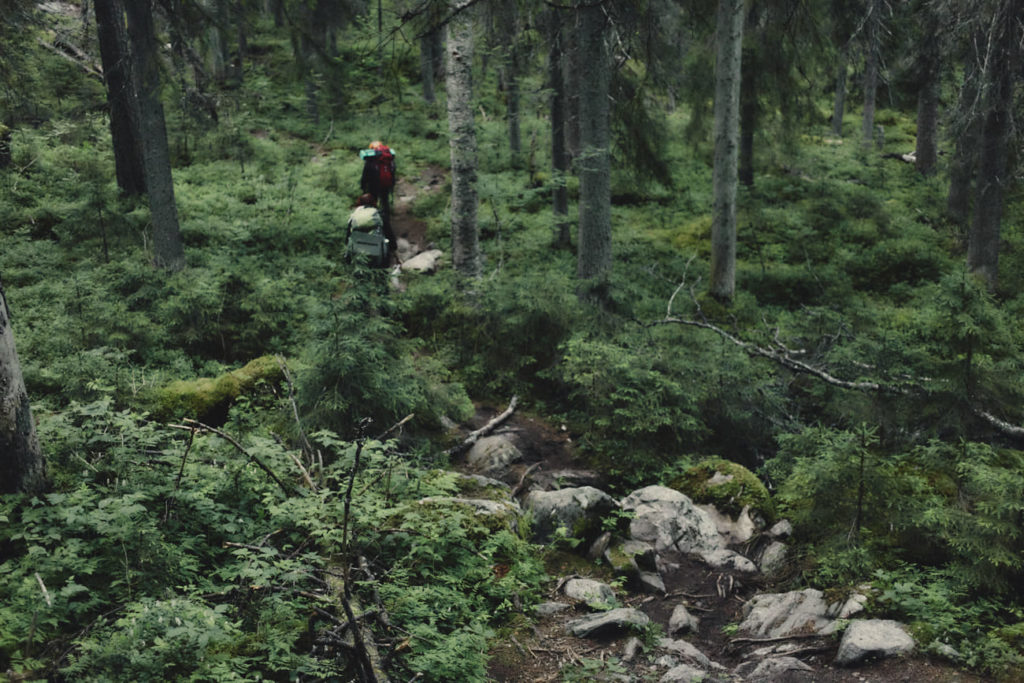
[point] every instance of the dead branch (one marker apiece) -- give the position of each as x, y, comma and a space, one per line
46, 593
483, 431
522, 479
195, 424
73, 55
785, 357
777, 639
395, 426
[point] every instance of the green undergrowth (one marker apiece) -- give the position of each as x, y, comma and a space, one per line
855, 374
161, 542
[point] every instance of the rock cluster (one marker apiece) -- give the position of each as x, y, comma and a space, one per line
660, 527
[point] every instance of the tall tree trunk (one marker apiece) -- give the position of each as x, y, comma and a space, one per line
437, 52
5, 146
871, 63
839, 107
729, 43
926, 151
427, 69
243, 41
965, 157
124, 107
168, 250
594, 256
929, 64
462, 141
218, 43
511, 78
22, 468
571, 80
749, 87
1000, 78
559, 158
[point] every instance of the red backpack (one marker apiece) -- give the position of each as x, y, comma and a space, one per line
386, 168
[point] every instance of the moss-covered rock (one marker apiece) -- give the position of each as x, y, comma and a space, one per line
728, 486
207, 399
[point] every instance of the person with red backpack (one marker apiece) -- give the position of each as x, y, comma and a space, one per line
379, 180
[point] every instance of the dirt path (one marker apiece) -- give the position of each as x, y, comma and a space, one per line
405, 225
541, 650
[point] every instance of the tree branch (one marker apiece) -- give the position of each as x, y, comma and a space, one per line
195, 424
483, 431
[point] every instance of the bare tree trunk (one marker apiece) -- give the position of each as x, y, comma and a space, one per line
571, 80
965, 157
559, 158
871, 63
749, 86
839, 107
218, 44
927, 147
594, 256
243, 41
462, 141
124, 107
168, 250
5, 145
729, 42
511, 78
22, 468
929, 61
427, 69
983, 242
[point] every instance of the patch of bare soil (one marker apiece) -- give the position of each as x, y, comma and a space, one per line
540, 650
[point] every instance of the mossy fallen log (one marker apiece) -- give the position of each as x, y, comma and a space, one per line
208, 399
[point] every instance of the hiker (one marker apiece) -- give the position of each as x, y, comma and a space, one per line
379, 180
368, 234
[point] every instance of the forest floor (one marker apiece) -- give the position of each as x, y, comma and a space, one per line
542, 649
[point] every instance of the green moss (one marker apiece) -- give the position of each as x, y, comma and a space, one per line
206, 397
728, 486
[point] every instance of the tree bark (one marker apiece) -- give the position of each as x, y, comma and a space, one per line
729, 43
243, 41
22, 468
929, 64
839, 108
427, 69
559, 158
926, 151
168, 250
983, 242
571, 79
124, 107
871, 62
462, 142
594, 257
511, 78
748, 118
965, 156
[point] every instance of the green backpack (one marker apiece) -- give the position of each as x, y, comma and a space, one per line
366, 235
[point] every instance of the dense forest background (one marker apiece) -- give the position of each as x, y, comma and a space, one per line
788, 234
